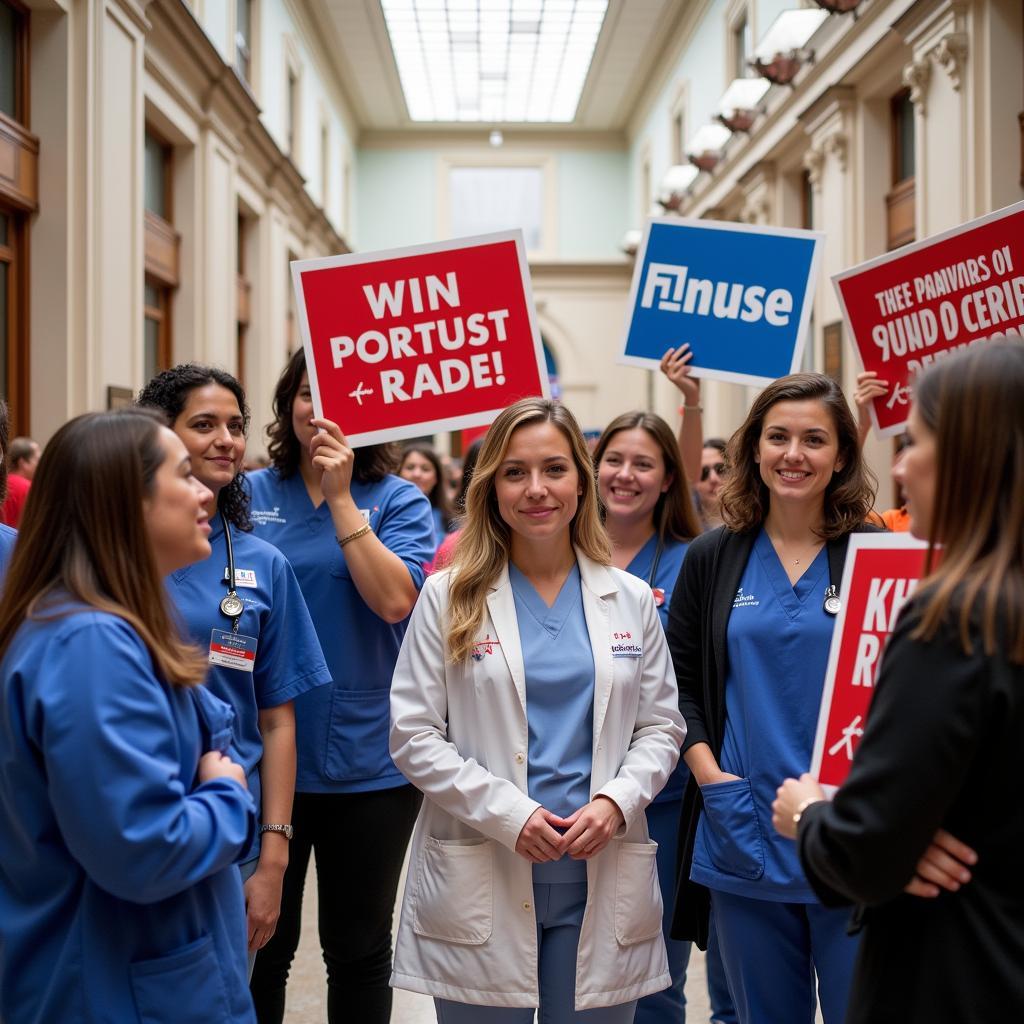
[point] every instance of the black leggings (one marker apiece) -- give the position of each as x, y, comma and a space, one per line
360, 841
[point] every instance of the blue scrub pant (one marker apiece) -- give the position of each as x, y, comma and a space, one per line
669, 1005
772, 952
559, 916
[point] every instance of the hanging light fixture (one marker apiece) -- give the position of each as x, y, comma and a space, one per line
675, 186
739, 106
704, 149
783, 51
840, 6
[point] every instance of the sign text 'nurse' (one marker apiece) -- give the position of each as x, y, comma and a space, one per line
408, 342
739, 295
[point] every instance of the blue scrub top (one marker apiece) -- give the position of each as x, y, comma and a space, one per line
342, 729
559, 666
778, 640
288, 657
663, 582
119, 896
7, 538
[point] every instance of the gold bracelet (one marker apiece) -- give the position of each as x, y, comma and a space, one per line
801, 807
354, 535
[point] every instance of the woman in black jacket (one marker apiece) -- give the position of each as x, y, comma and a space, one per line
749, 630
944, 744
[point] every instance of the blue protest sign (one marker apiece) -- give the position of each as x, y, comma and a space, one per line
740, 294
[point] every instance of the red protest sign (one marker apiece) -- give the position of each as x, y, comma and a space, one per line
882, 571
926, 300
412, 341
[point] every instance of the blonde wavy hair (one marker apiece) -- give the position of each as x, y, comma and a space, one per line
486, 539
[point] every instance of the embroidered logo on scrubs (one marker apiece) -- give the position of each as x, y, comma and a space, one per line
262, 516
243, 577
745, 600
482, 647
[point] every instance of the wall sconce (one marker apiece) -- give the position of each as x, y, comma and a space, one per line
739, 106
704, 149
675, 186
840, 6
782, 52
631, 242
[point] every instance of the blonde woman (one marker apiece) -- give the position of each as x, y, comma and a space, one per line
534, 705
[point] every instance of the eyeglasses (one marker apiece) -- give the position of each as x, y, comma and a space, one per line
720, 468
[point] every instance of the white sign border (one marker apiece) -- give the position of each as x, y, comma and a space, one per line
817, 237
858, 542
418, 429
896, 254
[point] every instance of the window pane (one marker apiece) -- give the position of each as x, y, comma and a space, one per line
905, 138
156, 177
3, 228
151, 297
485, 199
151, 348
5, 341
8, 61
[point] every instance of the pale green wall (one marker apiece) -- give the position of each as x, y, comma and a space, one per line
593, 193
395, 199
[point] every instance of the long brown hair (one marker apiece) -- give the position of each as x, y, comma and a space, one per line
372, 462
85, 536
486, 539
675, 518
743, 502
973, 402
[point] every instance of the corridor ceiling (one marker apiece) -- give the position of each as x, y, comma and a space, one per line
632, 38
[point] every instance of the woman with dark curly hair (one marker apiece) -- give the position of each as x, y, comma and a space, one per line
357, 537
749, 629
243, 605
421, 466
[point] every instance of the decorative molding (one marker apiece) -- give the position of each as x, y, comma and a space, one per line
916, 76
814, 163
756, 210
838, 145
951, 53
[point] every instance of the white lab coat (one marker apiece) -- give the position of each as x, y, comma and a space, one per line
459, 733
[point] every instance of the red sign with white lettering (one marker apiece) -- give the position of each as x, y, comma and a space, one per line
412, 341
915, 305
882, 571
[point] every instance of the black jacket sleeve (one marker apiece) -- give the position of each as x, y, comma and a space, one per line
917, 749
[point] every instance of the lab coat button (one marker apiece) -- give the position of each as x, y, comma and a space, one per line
520, 757
526, 906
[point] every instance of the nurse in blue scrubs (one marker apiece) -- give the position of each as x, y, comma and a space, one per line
357, 537
421, 466
243, 606
650, 519
750, 625
121, 819
7, 535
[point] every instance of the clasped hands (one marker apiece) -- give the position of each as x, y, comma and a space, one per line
587, 832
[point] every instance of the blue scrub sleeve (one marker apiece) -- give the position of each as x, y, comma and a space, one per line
137, 827
289, 660
407, 529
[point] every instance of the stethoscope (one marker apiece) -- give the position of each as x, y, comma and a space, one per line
831, 604
231, 604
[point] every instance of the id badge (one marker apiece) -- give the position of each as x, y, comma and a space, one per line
232, 650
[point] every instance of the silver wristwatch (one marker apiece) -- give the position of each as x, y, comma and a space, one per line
286, 830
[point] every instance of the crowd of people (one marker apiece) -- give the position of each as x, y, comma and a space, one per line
577, 685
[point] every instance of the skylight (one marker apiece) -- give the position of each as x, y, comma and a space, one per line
493, 60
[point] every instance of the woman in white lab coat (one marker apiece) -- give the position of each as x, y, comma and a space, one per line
534, 704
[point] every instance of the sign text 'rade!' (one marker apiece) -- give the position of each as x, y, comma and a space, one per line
881, 573
412, 341
922, 302
740, 295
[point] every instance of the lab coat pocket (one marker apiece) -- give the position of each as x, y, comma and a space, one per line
183, 987
732, 832
638, 907
357, 739
455, 891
